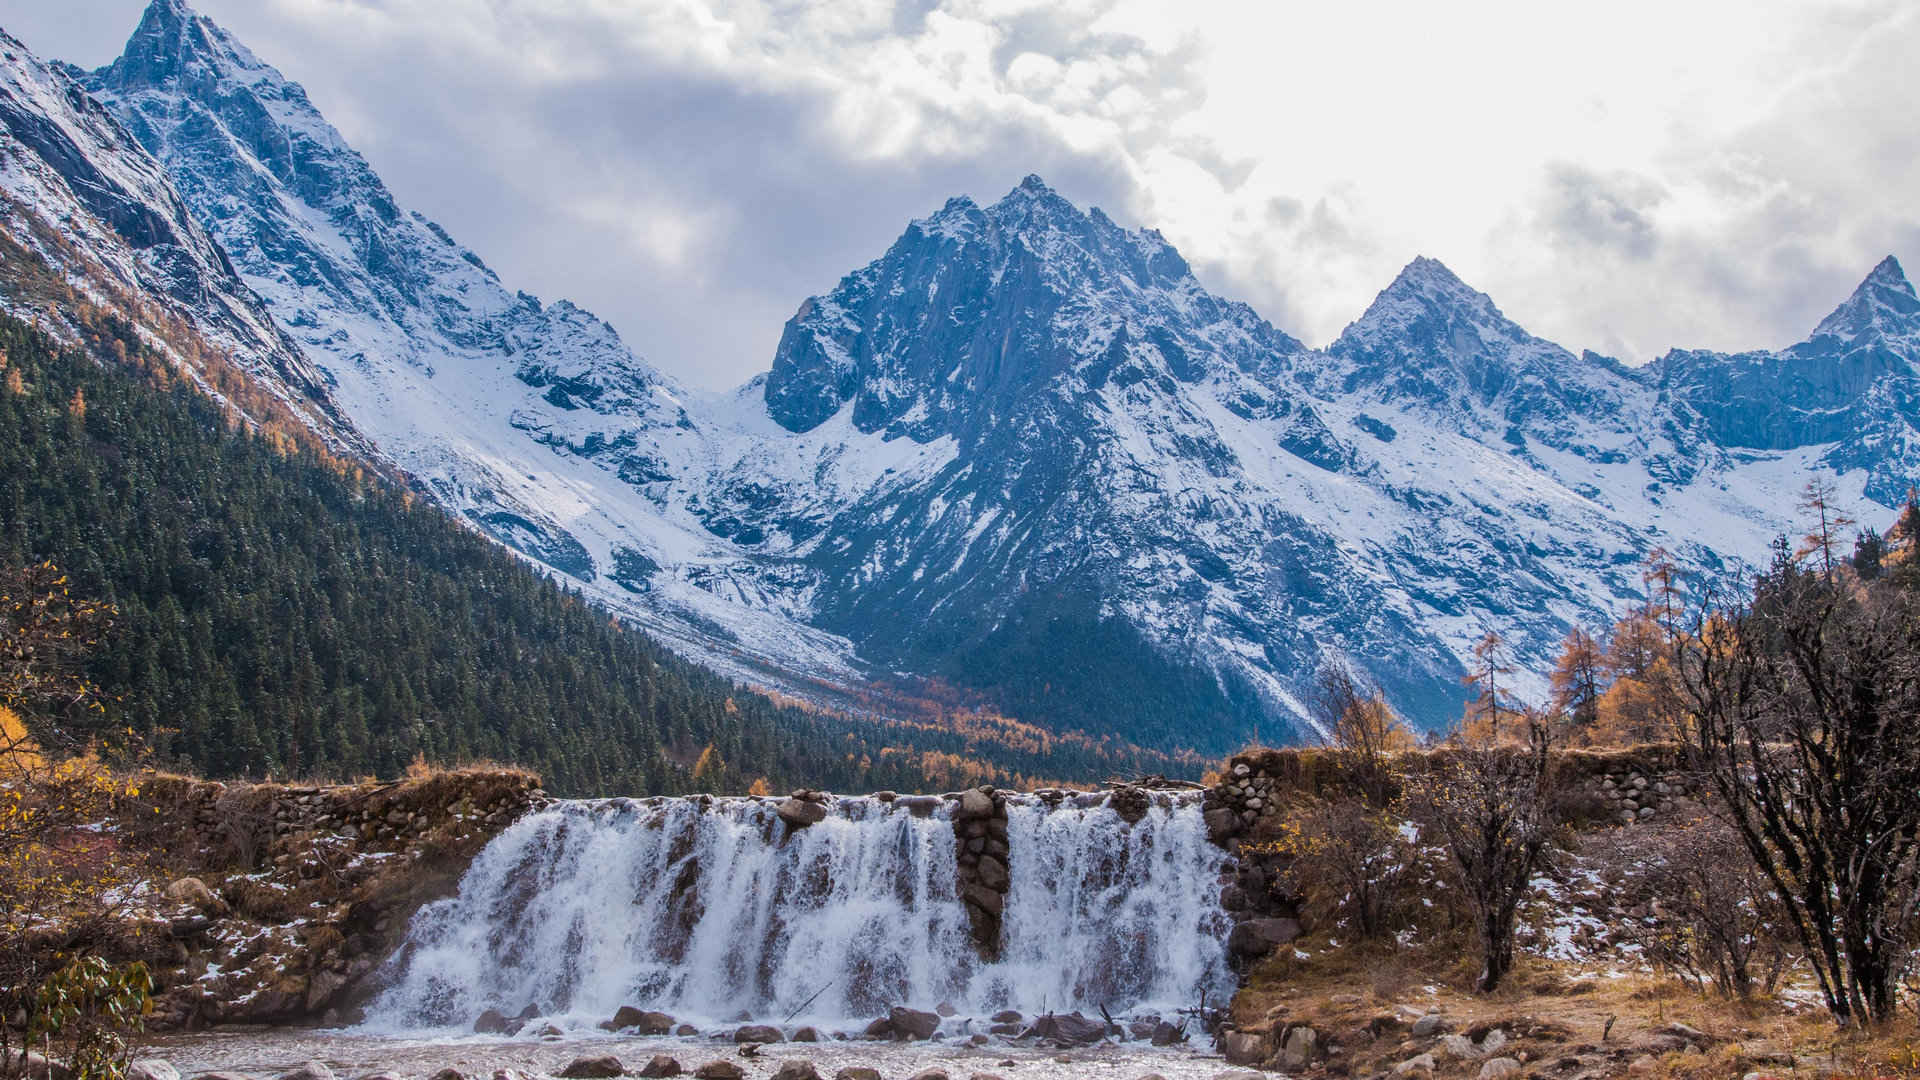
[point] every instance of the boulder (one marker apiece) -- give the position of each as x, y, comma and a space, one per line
1500, 1068
152, 1069
1430, 1024
758, 1033
685, 1030
1239, 1074
1299, 1047
974, 803
946, 1009
1460, 1047
1422, 1065
661, 1065
929, 1074
905, 1023
806, 1034
597, 1067
796, 1069
992, 873
879, 1029
1070, 1028
311, 1070
800, 813
1222, 823
493, 1022
1166, 1034
1007, 1016
194, 893
1493, 1041
720, 1069
857, 1072
1244, 1047
631, 1018
1005, 1029
1258, 937
991, 901
448, 1073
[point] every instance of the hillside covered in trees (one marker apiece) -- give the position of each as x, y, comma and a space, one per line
278, 612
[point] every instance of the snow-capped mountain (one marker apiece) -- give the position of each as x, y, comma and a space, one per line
1850, 388
1025, 451
83, 208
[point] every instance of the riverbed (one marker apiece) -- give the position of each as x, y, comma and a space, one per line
267, 1052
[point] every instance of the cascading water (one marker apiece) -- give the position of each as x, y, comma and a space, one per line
711, 908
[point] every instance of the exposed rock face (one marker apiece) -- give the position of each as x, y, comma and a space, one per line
269, 856
100, 215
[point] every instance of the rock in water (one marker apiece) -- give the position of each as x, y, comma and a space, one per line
598, 1067
152, 1069
492, 1022
758, 1033
801, 813
1070, 1028
629, 1018
905, 1023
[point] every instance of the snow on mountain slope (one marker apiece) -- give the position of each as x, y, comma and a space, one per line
533, 420
1025, 451
83, 202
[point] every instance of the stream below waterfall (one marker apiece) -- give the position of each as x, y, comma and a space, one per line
266, 1053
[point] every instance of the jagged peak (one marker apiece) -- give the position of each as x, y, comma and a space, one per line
1423, 289
1883, 303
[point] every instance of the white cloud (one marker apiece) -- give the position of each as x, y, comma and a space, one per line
1625, 177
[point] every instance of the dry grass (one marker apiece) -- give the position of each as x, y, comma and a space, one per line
1567, 1020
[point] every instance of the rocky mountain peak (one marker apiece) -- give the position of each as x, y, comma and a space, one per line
1429, 306
1883, 306
169, 42
972, 310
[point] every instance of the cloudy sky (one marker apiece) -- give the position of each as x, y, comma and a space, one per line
1625, 177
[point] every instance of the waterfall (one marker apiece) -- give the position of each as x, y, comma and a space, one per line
709, 908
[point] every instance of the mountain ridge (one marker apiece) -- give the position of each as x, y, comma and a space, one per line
1024, 451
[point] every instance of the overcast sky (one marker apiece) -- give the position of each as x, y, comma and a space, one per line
1625, 177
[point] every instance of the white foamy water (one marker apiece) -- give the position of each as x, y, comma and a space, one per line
710, 908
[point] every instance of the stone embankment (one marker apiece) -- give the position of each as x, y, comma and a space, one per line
278, 900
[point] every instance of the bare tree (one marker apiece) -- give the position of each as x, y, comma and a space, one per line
1488, 804
1803, 710
1714, 916
1364, 732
